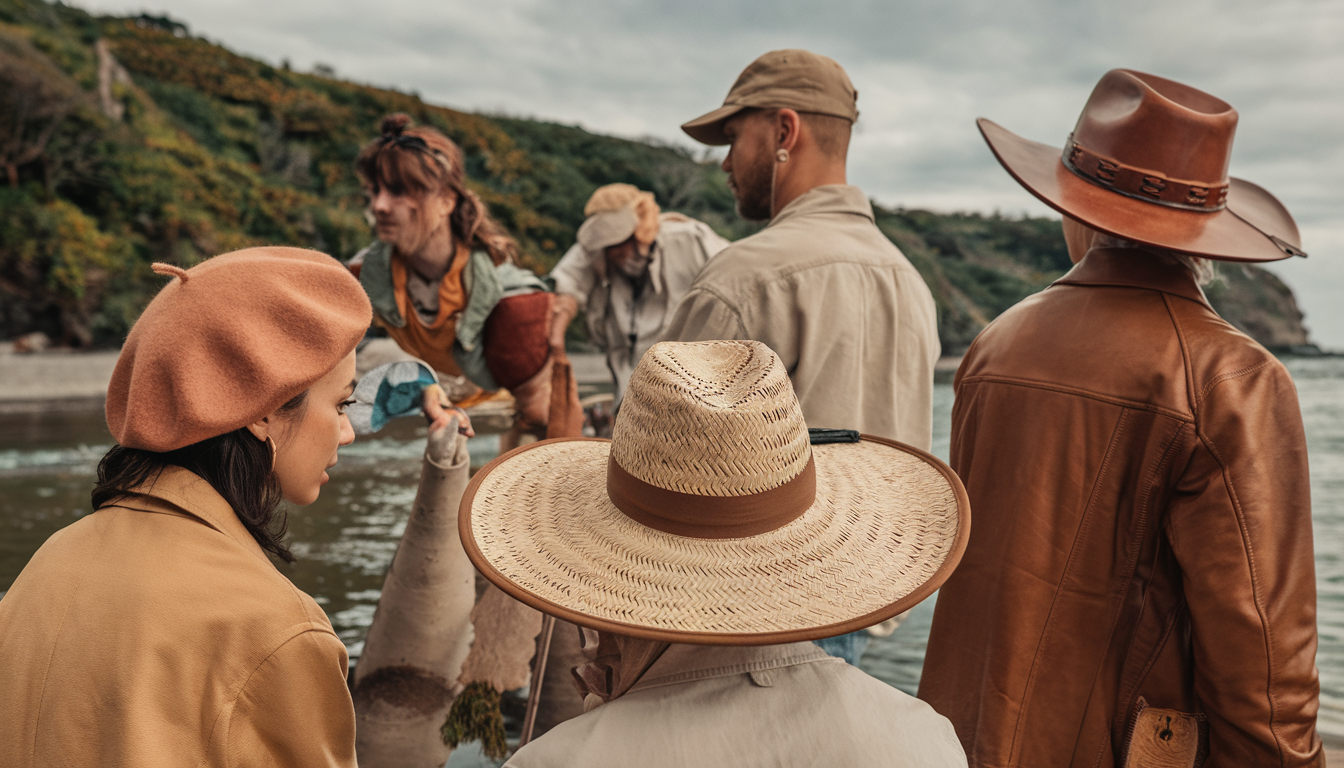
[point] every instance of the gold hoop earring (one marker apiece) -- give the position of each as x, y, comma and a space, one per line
274, 451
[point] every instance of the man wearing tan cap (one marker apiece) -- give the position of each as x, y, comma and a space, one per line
821, 285
629, 269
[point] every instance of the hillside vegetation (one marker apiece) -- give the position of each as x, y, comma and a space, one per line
126, 141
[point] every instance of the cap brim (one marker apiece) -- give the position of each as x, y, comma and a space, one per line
1227, 235
889, 525
607, 228
708, 128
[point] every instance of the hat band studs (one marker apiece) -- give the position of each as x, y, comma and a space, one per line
1149, 186
711, 517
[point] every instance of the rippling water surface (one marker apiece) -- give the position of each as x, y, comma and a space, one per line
345, 541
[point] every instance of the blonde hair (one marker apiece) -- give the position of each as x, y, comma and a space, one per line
614, 197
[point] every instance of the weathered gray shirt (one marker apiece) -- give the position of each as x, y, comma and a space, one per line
767, 705
844, 309
619, 323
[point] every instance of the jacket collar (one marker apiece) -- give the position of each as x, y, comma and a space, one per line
684, 663
179, 492
1135, 268
830, 198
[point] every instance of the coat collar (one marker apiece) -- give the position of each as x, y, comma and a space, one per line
682, 663
177, 491
1135, 268
830, 198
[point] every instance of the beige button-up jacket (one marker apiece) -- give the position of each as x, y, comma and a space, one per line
751, 706
843, 308
620, 324
156, 633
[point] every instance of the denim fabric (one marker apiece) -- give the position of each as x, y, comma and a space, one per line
848, 647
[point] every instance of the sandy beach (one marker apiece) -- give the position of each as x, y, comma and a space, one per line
64, 379
67, 380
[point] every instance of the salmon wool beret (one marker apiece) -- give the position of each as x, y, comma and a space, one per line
229, 341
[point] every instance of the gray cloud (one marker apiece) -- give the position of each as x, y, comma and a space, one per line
924, 69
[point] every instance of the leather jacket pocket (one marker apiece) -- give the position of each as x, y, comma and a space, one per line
1166, 738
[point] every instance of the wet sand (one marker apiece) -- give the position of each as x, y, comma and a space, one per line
66, 380
62, 379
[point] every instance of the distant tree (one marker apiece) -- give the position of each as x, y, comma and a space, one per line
35, 98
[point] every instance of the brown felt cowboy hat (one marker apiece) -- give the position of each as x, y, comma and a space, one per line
1148, 161
712, 517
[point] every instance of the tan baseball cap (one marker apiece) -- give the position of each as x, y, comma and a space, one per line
793, 78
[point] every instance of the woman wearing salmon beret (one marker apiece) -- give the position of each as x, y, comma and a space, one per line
156, 631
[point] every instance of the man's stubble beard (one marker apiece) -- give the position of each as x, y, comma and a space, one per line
751, 187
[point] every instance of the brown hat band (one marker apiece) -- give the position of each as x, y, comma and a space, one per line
711, 517
1150, 186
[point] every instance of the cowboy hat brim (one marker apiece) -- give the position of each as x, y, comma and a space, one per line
888, 526
1242, 231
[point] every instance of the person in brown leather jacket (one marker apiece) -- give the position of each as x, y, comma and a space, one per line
1139, 587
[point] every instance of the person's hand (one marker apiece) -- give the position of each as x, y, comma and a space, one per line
563, 309
441, 412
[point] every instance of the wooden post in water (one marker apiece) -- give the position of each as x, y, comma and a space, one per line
407, 676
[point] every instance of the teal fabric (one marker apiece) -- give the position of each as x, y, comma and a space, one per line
483, 282
386, 392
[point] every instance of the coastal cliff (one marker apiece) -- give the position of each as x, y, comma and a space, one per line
134, 141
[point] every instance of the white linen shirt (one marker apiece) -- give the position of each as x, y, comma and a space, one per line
850, 317
748, 706
620, 325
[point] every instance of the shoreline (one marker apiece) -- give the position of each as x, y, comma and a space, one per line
65, 380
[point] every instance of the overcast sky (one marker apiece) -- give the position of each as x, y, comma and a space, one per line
925, 69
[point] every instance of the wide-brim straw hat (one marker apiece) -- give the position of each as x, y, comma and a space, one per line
710, 518
1148, 162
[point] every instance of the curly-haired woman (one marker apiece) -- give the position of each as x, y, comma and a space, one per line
442, 276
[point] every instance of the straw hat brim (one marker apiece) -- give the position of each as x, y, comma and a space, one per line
889, 524
1226, 235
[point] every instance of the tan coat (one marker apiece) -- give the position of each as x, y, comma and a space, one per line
850, 317
773, 705
155, 633
1142, 537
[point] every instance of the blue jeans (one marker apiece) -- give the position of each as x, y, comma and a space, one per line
848, 647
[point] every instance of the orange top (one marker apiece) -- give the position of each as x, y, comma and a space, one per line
432, 343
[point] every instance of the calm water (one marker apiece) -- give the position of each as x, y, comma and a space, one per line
345, 541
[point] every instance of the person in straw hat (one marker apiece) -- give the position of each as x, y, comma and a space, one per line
821, 285
156, 632
629, 268
700, 548
1139, 589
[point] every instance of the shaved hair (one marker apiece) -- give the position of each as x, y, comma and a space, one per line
830, 133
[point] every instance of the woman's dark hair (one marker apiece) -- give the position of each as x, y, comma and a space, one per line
236, 464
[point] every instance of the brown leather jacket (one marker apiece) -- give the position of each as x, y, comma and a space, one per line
1138, 474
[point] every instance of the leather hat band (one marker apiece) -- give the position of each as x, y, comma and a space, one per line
711, 517
1142, 184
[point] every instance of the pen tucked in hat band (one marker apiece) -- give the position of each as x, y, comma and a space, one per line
1142, 184
711, 517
